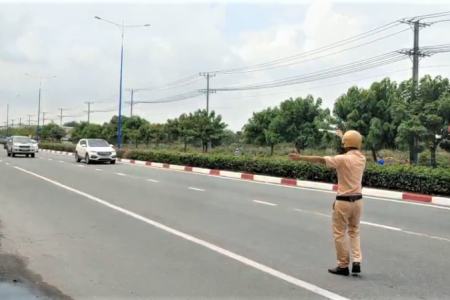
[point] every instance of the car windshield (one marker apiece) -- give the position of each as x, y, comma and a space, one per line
97, 143
22, 140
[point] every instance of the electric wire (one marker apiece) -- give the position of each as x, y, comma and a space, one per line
322, 56
358, 66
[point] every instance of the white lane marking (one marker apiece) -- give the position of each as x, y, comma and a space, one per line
381, 226
362, 222
286, 186
62, 161
121, 174
7, 163
312, 212
1, 160
266, 203
41, 157
196, 189
426, 235
49, 159
300, 283
151, 180
81, 166
98, 169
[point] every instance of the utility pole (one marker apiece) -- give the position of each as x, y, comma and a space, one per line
61, 115
132, 100
12, 123
29, 120
20, 123
207, 91
415, 54
43, 118
89, 110
7, 118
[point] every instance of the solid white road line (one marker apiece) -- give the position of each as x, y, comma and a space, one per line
287, 186
381, 226
266, 203
196, 189
152, 180
121, 174
362, 222
300, 283
283, 186
98, 169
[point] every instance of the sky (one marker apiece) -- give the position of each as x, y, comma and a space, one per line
79, 56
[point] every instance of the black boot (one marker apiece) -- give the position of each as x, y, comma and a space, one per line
339, 271
356, 268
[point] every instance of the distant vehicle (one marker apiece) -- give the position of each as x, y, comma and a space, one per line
95, 150
36, 145
21, 145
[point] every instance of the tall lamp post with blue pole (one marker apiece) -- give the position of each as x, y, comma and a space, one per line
122, 28
38, 130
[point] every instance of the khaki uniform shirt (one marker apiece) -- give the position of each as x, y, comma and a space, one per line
350, 169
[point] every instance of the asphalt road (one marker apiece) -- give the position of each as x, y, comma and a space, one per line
123, 231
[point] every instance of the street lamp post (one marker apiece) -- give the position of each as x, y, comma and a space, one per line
122, 28
39, 101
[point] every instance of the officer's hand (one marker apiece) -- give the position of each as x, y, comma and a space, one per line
293, 156
339, 133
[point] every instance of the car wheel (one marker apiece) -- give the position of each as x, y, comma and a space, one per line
27, 155
113, 162
77, 158
9, 154
87, 160
32, 155
13, 154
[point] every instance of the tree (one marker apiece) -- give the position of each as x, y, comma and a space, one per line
206, 127
71, 124
369, 112
92, 131
256, 131
297, 122
52, 131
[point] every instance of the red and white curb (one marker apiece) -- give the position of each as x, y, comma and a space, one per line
283, 181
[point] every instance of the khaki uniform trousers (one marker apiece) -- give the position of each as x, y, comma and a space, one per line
346, 218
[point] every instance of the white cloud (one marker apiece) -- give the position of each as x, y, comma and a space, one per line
65, 40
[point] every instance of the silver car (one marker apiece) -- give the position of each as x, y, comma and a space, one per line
21, 145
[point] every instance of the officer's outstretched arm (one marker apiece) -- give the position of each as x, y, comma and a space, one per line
311, 159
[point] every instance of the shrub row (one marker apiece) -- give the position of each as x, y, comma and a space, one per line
421, 180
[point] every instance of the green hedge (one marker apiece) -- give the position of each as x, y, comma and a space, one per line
421, 180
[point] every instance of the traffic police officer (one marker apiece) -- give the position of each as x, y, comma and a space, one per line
348, 205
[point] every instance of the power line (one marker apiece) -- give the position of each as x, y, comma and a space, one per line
175, 98
309, 53
358, 66
241, 69
184, 81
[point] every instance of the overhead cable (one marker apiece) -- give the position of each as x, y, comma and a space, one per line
358, 66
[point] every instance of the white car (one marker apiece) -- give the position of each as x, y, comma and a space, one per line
36, 145
95, 150
21, 145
